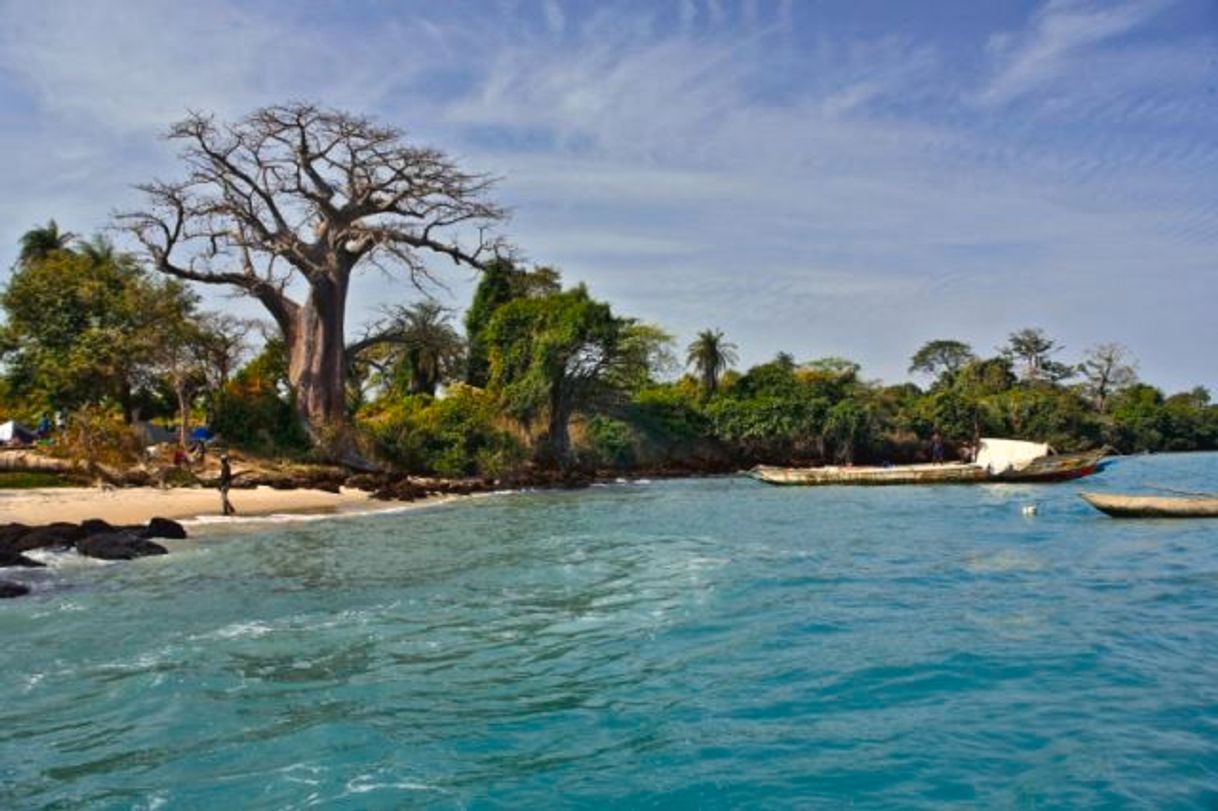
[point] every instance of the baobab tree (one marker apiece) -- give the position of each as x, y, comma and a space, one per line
296, 197
1108, 369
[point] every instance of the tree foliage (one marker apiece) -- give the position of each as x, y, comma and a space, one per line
942, 356
420, 348
551, 355
298, 197
501, 282
82, 329
710, 355
1034, 350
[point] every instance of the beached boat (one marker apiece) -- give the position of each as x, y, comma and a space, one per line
1126, 506
954, 473
998, 460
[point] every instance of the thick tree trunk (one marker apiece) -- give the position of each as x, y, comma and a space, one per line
317, 369
558, 434
183, 415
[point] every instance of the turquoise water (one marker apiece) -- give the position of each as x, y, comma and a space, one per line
708, 643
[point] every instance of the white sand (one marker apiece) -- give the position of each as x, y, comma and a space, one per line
136, 505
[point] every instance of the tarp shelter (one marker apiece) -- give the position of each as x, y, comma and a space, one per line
154, 434
1001, 455
13, 431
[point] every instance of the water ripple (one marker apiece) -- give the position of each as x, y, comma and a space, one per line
707, 643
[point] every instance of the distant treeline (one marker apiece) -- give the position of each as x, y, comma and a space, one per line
542, 375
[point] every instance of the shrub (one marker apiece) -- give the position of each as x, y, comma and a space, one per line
98, 436
456, 436
609, 443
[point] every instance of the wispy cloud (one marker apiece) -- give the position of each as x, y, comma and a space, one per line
1062, 32
555, 19
820, 188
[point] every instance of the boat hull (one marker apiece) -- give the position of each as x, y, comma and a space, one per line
1057, 468
1126, 506
873, 476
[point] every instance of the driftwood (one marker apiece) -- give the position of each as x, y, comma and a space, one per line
24, 461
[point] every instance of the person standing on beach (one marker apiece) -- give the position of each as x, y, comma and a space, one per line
226, 481
936, 448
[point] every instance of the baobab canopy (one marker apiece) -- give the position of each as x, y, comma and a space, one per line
297, 195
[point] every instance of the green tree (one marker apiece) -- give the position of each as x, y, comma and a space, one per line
425, 350
254, 410
771, 414
1138, 420
942, 356
553, 355
81, 331
848, 427
710, 356
501, 282
1034, 349
40, 242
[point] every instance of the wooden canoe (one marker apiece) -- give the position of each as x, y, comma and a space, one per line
1124, 506
1050, 468
1057, 467
952, 473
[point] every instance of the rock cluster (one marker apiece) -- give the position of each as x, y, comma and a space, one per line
92, 538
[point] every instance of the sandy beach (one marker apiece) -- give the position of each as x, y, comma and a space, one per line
138, 504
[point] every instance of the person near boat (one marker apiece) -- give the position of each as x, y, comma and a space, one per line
936, 448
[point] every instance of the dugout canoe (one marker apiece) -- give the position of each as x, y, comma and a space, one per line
953, 473
1129, 506
1004, 460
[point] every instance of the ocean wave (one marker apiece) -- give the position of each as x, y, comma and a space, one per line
238, 630
66, 559
213, 521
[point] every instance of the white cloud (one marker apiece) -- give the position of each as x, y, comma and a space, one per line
555, 19
1063, 31
139, 65
867, 208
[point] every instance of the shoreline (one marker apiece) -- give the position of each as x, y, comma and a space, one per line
137, 505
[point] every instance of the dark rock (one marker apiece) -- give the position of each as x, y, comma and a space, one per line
96, 526
10, 589
8, 557
73, 531
164, 528
44, 538
369, 482
119, 546
400, 490
11, 532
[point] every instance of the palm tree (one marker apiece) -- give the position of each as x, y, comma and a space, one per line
41, 241
710, 356
101, 251
430, 349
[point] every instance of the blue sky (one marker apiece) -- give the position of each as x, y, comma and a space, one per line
835, 177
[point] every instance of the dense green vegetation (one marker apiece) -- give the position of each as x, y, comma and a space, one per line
544, 376
541, 375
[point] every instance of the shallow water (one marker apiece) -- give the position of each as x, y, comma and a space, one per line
713, 643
